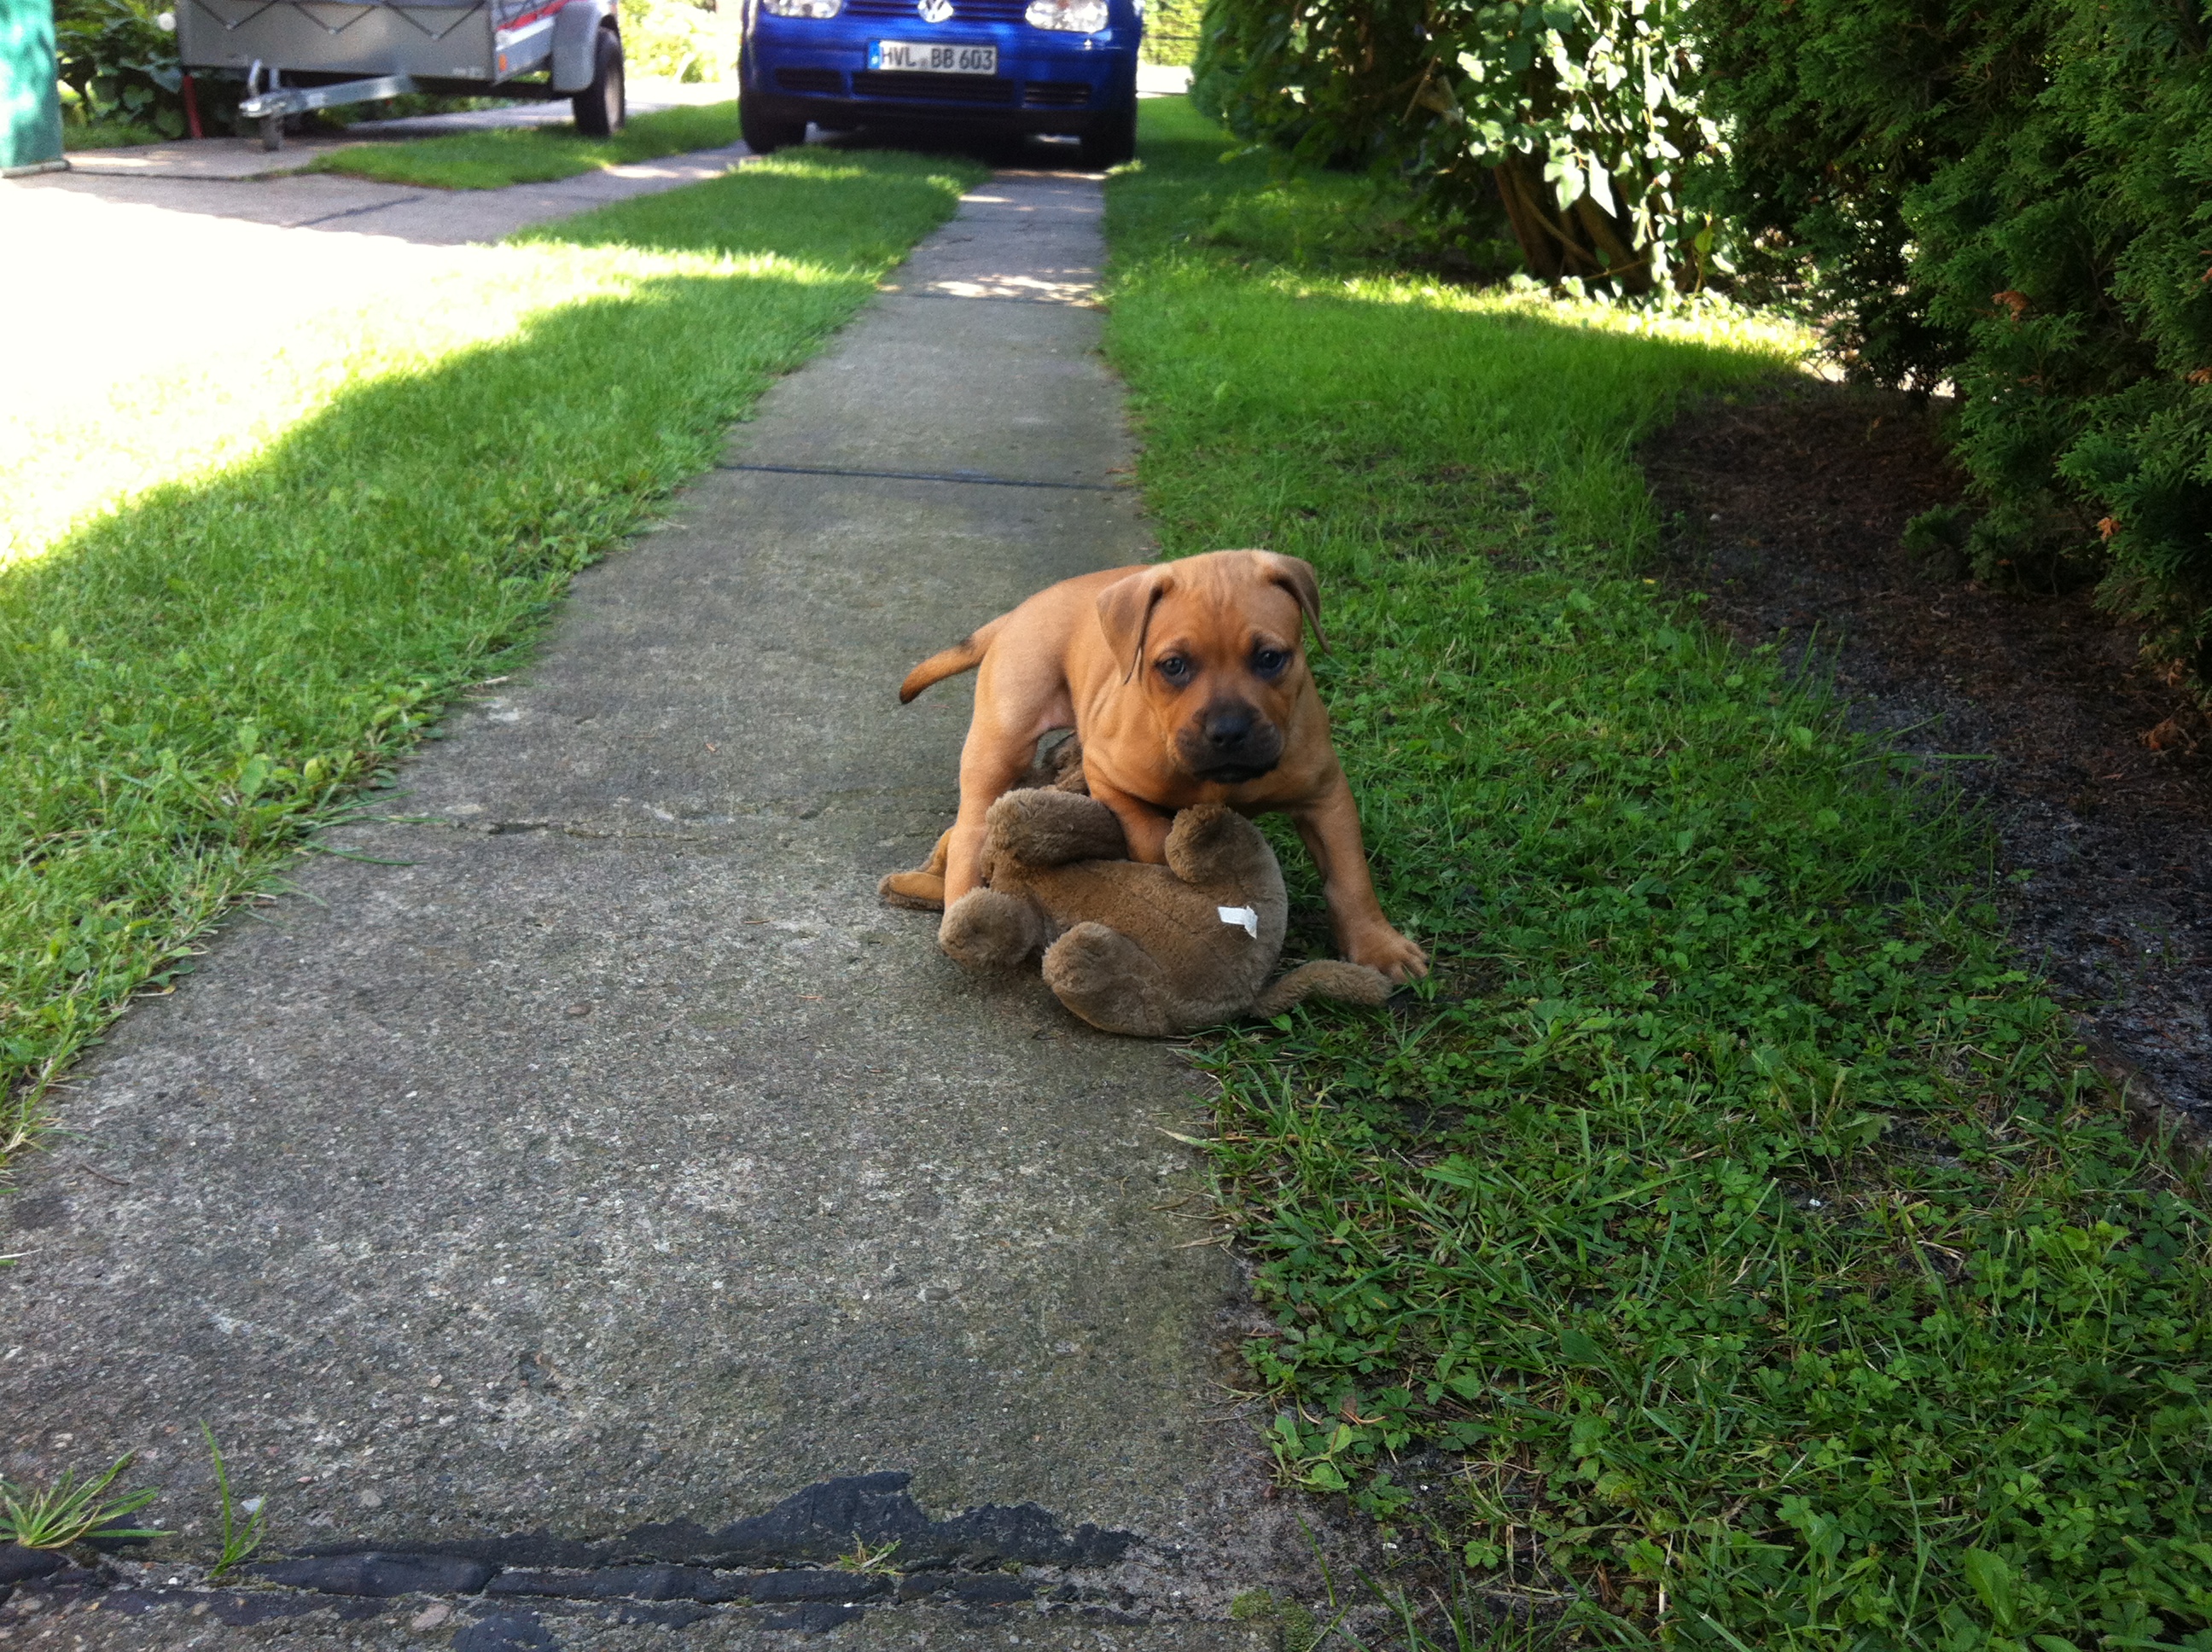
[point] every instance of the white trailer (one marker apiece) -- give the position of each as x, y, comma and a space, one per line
299, 55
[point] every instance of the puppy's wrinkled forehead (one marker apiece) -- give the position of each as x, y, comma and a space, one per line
1214, 615
1215, 602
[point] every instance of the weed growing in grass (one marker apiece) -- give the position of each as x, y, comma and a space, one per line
192, 682
67, 1511
501, 155
1728, 1210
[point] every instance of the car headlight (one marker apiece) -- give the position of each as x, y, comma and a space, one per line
1072, 16
816, 8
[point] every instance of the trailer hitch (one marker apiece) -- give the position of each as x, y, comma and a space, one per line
271, 107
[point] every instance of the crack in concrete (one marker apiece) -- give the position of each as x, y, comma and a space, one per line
973, 477
358, 212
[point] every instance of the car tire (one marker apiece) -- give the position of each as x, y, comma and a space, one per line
1112, 141
603, 107
765, 134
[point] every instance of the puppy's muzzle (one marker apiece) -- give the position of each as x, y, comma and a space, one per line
1230, 743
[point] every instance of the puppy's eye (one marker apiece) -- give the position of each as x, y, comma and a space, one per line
1174, 667
1269, 661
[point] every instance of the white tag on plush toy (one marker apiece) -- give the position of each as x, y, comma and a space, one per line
1244, 917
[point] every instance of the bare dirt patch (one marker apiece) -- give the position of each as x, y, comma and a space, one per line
1786, 508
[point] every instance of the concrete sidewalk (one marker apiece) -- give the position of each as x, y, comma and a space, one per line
599, 1160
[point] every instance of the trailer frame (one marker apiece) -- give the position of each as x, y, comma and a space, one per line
302, 55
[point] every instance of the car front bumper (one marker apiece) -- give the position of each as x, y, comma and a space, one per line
803, 70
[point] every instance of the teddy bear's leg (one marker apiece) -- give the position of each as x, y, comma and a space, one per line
922, 889
1348, 983
986, 929
1108, 980
1051, 828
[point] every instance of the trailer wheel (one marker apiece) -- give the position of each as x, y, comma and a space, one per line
603, 108
272, 131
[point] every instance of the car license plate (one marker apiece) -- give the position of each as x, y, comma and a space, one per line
934, 59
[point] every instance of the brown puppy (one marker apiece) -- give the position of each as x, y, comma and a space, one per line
1186, 683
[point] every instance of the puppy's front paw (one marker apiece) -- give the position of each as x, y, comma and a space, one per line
1383, 948
919, 890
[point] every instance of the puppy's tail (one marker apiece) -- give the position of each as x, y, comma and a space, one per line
1348, 983
962, 656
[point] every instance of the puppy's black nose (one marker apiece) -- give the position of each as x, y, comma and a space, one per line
1230, 742
1229, 727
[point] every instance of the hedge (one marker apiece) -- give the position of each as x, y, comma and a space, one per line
2014, 196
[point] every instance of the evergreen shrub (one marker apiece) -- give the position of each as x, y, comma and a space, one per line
2014, 196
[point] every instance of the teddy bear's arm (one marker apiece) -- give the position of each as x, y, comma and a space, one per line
1051, 828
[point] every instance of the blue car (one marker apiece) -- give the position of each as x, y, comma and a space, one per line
1059, 66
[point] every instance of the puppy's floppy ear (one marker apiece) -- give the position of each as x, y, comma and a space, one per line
1125, 611
1296, 575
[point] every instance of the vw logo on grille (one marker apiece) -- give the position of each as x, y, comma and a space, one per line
933, 11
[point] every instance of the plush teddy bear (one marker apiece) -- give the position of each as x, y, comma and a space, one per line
1148, 950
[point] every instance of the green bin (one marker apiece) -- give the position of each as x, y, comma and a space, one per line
30, 96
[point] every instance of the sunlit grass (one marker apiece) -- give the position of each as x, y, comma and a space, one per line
222, 618
89, 450
530, 155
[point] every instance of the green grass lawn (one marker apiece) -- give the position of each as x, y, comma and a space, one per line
534, 155
1727, 1246
197, 672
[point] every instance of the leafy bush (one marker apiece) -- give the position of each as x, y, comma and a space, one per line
1576, 118
676, 41
1172, 29
2015, 197
120, 61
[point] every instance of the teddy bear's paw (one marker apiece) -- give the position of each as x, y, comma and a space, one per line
1051, 828
1349, 983
1108, 980
986, 929
920, 890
